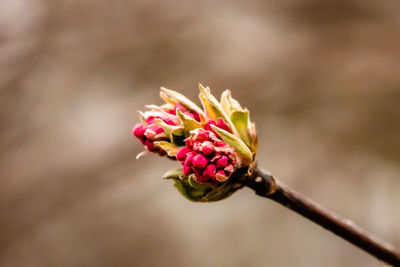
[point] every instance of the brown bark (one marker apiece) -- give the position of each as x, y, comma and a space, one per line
267, 186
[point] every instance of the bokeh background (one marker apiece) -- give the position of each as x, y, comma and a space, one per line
322, 80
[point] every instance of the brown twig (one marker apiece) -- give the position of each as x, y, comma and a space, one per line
267, 186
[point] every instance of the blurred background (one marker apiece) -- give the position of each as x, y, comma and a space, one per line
322, 80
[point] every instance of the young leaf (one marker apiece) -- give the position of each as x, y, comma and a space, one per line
168, 129
211, 105
213, 108
171, 149
172, 96
187, 191
189, 123
228, 103
241, 149
241, 120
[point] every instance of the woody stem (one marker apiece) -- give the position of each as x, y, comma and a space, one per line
266, 185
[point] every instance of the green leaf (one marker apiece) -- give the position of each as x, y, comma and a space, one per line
174, 133
241, 149
187, 191
166, 127
213, 108
221, 192
228, 103
201, 186
171, 149
241, 120
211, 105
189, 123
172, 96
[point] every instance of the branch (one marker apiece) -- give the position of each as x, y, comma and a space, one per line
267, 186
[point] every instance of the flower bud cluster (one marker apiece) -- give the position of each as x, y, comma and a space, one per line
213, 144
207, 157
149, 131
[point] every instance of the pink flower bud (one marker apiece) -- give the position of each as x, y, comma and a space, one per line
181, 155
210, 171
220, 143
153, 130
187, 170
223, 125
207, 148
202, 136
139, 130
207, 126
199, 161
190, 115
196, 116
169, 122
188, 142
182, 108
222, 162
150, 120
150, 146
189, 159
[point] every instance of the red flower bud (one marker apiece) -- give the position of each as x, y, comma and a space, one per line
220, 143
189, 160
150, 146
222, 162
223, 125
196, 116
210, 171
199, 161
182, 108
139, 130
207, 126
187, 170
169, 122
181, 155
202, 136
207, 148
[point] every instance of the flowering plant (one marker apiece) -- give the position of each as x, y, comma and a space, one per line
217, 148
216, 145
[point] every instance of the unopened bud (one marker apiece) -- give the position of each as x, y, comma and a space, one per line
199, 161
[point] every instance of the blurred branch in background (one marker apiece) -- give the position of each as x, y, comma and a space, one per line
323, 84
